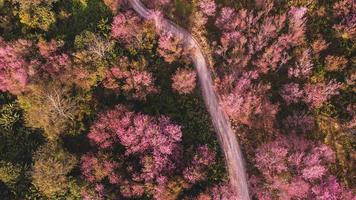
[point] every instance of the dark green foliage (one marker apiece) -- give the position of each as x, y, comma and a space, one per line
80, 15
17, 144
9, 115
9, 172
50, 169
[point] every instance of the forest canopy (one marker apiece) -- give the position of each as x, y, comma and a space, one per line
98, 101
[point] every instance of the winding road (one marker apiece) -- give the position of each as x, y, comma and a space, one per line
226, 136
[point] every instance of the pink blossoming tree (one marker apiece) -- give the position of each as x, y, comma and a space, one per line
138, 154
125, 26
13, 65
184, 81
134, 83
293, 168
208, 7
344, 11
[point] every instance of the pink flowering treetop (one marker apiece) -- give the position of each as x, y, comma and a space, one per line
219, 192
46, 49
312, 94
344, 11
247, 103
208, 7
184, 81
317, 94
319, 45
134, 83
255, 44
303, 67
171, 48
54, 64
246, 35
200, 163
125, 26
295, 168
13, 65
138, 154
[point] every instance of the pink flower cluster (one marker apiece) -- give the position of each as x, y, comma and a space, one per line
125, 26
219, 192
53, 63
317, 94
137, 84
255, 44
13, 65
170, 47
184, 81
313, 94
152, 142
246, 35
303, 67
204, 158
248, 103
344, 11
208, 7
295, 168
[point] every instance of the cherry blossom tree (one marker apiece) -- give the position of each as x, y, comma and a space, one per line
292, 93
319, 45
299, 123
248, 104
13, 65
344, 11
184, 81
153, 141
134, 83
125, 26
317, 94
218, 192
294, 167
303, 67
139, 154
208, 7
171, 48
52, 63
255, 44
201, 161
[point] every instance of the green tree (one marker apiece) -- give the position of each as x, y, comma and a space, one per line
9, 116
51, 167
50, 107
38, 17
37, 13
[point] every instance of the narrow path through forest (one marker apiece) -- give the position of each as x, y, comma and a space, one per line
226, 136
